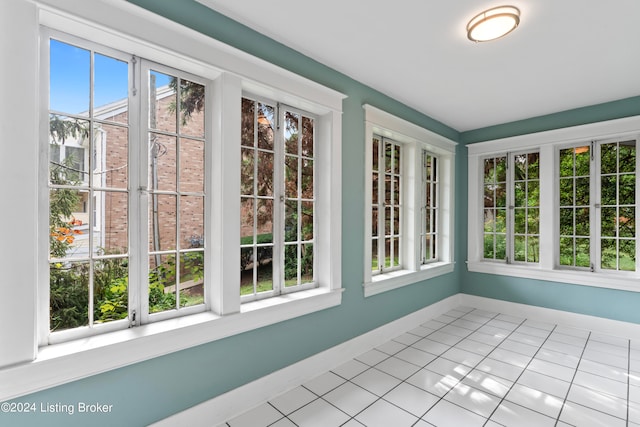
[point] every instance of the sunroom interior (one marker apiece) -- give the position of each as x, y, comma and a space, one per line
532, 211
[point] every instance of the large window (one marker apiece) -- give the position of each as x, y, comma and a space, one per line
557, 210
598, 222
409, 203
511, 194
92, 211
277, 200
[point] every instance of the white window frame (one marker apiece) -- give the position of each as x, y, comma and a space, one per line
548, 144
413, 139
37, 365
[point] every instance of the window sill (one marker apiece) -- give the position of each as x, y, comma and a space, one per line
399, 278
622, 281
61, 363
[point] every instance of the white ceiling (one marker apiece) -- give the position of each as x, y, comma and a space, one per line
565, 53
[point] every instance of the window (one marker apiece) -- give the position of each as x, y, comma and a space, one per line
409, 203
386, 178
557, 210
92, 282
598, 222
277, 200
429, 211
511, 189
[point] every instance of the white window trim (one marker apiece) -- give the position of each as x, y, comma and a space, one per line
130, 29
414, 138
547, 142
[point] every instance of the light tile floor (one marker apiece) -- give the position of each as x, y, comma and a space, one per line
470, 367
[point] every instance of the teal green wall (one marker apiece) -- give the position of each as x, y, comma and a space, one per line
154, 389
594, 301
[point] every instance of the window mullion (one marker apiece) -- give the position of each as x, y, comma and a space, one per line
279, 202
595, 208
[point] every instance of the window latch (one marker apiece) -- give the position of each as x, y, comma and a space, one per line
132, 321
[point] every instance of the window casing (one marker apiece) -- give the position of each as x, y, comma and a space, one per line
408, 203
587, 205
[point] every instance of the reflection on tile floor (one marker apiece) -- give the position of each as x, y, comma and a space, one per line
470, 367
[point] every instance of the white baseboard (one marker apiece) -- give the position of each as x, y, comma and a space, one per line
228, 405
581, 321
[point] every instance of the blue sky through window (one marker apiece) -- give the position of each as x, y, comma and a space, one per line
70, 79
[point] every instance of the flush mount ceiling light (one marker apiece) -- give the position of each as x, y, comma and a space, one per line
493, 23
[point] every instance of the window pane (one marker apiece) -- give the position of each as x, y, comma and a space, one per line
608, 222
69, 77
627, 222
191, 165
162, 102
248, 122
162, 283
583, 252
192, 104
627, 156
609, 256
291, 132
291, 265
111, 223
608, 158
265, 173
566, 192
374, 255
264, 221
266, 117
291, 176
306, 220
306, 184
162, 162
291, 221
582, 222
68, 159
111, 294
307, 137
533, 249
519, 250
69, 295
111, 86
191, 278
111, 151
247, 172
246, 221
627, 255
162, 222
68, 224
191, 221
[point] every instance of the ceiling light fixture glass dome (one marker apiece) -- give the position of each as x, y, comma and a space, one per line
493, 23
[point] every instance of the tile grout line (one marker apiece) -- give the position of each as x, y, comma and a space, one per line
441, 398
564, 401
503, 398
